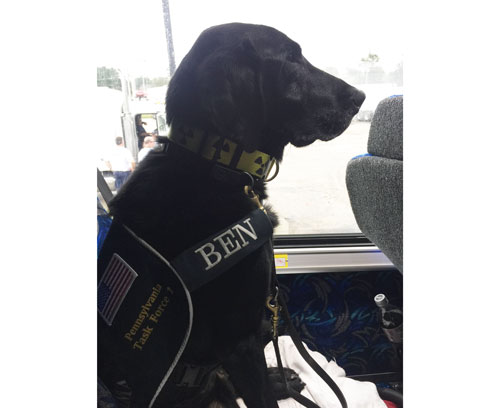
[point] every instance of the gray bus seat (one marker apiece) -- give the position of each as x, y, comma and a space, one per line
375, 181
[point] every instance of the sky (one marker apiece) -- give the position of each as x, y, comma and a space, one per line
131, 33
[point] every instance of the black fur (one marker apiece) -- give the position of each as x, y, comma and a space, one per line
251, 84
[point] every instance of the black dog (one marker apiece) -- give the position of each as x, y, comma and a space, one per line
251, 85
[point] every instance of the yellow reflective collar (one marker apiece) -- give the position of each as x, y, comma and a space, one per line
223, 151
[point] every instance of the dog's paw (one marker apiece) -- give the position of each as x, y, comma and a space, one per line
278, 386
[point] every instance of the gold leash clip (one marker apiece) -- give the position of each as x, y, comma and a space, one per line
275, 310
254, 197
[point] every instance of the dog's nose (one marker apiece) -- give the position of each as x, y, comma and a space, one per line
357, 98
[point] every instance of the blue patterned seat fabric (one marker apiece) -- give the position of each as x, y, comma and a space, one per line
335, 315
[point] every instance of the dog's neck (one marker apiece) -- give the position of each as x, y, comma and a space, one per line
222, 150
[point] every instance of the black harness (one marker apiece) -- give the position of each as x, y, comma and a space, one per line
141, 296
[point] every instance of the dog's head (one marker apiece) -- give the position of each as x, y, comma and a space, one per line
251, 83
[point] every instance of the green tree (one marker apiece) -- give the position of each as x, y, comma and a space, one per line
142, 83
372, 59
373, 73
146, 82
159, 81
109, 77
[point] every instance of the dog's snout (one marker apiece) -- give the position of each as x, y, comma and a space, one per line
357, 98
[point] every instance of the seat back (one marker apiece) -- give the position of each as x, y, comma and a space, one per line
375, 181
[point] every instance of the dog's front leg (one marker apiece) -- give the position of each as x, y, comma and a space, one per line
247, 371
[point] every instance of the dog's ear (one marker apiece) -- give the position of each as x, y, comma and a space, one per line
230, 93
180, 95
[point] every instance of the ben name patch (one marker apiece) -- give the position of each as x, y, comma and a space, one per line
212, 257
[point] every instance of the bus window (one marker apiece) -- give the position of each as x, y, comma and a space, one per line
327, 268
309, 193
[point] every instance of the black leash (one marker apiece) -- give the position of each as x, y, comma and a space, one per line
294, 394
305, 355
275, 308
280, 305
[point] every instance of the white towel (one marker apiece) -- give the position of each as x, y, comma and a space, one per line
358, 394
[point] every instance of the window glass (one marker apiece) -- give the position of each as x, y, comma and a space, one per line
357, 41
310, 194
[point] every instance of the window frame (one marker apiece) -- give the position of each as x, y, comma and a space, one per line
327, 253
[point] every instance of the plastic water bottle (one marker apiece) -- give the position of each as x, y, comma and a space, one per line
391, 320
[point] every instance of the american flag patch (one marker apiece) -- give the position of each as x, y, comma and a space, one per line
113, 287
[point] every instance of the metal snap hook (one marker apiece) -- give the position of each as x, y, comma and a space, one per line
254, 197
251, 180
275, 310
274, 162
